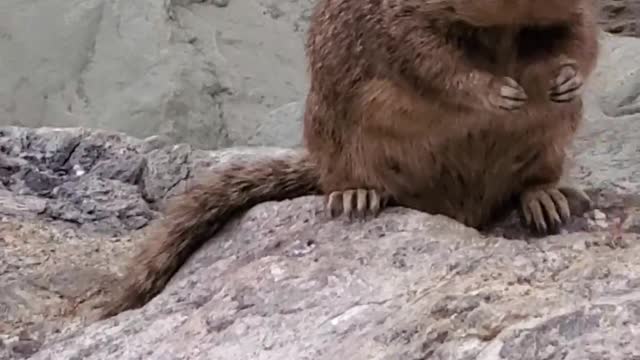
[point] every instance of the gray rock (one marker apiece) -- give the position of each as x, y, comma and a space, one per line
283, 127
103, 204
166, 169
90, 179
71, 203
608, 145
283, 282
183, 69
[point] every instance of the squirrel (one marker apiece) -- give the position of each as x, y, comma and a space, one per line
450, 107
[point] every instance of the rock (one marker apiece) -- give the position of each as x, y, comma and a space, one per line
620, 16
71, 203
183, 69
608, 142
284, 283
262, 43
102, 180
283, 127
76, 174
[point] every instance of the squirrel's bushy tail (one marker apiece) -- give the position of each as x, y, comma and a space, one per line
195, 216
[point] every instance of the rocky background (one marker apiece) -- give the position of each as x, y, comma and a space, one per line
620, 16
167, 82
210, 73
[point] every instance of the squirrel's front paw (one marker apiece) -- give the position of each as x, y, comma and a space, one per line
567, 84
506, 94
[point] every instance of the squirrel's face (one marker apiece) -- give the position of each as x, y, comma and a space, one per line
511, 12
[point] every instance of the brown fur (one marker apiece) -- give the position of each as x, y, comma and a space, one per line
398, 98
401, 103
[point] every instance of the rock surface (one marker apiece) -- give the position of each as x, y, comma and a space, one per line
71, 201
198, 72
620, 16
285, 284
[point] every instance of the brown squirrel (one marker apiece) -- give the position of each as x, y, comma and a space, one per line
450, 107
